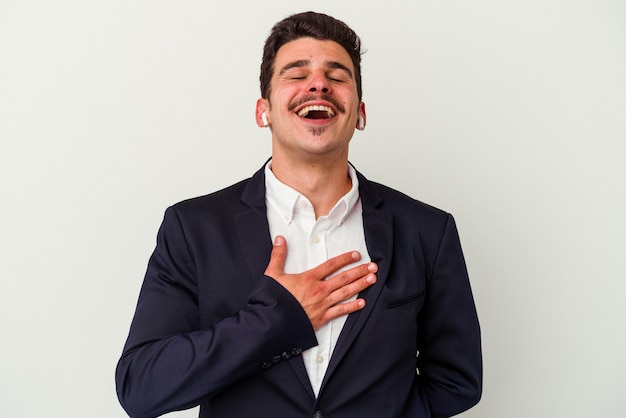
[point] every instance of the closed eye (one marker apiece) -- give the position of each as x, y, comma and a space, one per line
339, 72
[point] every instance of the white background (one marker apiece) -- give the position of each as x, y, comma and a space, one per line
510, 115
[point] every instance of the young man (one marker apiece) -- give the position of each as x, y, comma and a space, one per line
361, 308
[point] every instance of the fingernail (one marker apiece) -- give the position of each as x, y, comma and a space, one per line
356, 255
371, 278
372, 267
360, 303
278, 241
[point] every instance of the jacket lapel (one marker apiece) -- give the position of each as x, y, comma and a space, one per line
378, 226
256, 243
252, 226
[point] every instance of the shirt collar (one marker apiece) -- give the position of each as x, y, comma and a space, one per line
284, 199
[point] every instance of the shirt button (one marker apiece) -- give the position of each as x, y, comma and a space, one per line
316, 240
303, 204
319, 359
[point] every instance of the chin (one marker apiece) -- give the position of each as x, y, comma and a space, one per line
317, 130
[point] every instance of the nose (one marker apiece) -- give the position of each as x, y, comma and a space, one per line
319, 82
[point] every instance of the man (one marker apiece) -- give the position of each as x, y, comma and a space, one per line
361, 307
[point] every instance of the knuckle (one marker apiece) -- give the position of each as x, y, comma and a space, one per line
316, 292
342, 294
345, 293
341, 278
344, 308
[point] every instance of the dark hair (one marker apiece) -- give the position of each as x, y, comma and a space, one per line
312, 25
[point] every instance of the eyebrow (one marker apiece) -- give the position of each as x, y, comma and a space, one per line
304, 63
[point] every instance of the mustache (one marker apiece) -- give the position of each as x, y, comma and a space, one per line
312, 97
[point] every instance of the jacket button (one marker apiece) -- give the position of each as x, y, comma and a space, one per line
318, 414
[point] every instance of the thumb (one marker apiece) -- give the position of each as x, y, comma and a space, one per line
276, 266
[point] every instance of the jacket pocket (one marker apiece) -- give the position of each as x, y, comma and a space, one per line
404, 300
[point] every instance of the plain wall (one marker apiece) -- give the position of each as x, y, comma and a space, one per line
510, 115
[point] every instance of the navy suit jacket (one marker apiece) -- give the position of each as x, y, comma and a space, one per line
211, 330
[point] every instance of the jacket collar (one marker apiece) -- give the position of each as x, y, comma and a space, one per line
254, 192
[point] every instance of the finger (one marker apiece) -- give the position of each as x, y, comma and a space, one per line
341, 294
348, 276
342, 309
335, 263
276, 265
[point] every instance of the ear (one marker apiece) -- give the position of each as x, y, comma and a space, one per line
262, 107
362, 119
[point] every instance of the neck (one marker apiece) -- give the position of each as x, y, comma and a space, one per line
323, 184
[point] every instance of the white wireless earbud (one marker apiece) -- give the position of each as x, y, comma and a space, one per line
361, 125
264, 119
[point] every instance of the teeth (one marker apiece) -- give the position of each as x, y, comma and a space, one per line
308, 109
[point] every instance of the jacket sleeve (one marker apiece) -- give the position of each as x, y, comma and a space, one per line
169, 363
450, 359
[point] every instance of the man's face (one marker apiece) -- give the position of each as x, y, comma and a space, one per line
313, 106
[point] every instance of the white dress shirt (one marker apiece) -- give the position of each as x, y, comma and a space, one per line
310, 242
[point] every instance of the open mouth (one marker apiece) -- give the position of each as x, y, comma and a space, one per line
316, 112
